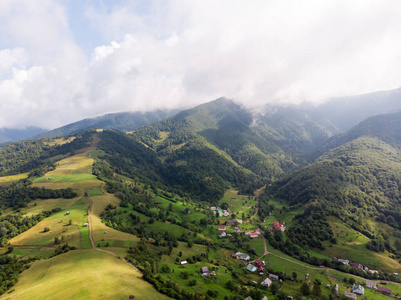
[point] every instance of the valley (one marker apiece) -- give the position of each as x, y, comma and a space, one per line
187, 207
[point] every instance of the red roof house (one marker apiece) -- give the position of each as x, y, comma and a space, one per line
221, 228
278, 226
384, 290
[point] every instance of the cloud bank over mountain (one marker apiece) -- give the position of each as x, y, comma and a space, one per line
64, 61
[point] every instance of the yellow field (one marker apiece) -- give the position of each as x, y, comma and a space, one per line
79, 163
48, 204
60, 141
98, 228
58, 225
82, 274
78, 185
6, 180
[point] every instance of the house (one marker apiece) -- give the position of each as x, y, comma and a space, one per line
371, 284
223, 234
86, 225
260, 267
358, 289
213, 208
258, 263
237, 230
396, 274
273, 277
226, 213
221, 228
336, 289
247, 233
184, 262
267, 282
265, 298
251, 268
383, 282
384, 290
373, 271
356, 265
350, 295
244, 257
230, 223
248, 298
239, 221
277, 226
67, 213
344, 261
204, 271
327, 286
254, 235
257, 231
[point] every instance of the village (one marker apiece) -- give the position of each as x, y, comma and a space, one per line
258, 267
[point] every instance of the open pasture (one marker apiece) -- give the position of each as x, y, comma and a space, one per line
82, 274
58, 225
99, 228
7, 180
238, 203
66, 178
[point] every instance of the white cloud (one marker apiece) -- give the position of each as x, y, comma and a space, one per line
11, 57
168, 54
102, 51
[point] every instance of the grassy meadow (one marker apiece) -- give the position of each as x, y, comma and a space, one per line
7, 180
82, 274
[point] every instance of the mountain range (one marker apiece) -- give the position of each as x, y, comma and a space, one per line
330, 174
338, 114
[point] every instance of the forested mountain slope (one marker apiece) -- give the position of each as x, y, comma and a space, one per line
356, 183
385, 127
296, 129
253, 141
124, 121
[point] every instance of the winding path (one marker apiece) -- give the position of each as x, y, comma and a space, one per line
93, 240
312, 268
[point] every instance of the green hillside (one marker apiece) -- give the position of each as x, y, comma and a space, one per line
109, 214
355, 186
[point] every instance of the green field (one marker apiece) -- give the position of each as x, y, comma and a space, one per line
82, 274
239, 204
67, 178
94, 191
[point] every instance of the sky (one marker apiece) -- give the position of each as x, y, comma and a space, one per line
62, 61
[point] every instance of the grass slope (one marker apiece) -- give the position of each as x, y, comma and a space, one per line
82, 274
